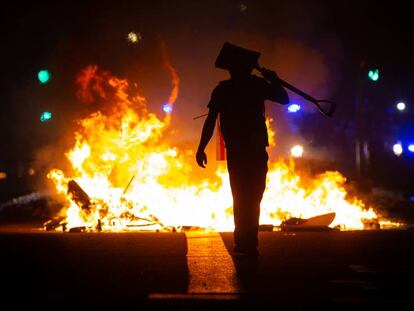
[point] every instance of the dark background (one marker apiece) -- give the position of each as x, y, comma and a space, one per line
316, 45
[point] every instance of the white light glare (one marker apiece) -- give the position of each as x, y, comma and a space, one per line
134, 37
296, 151
292, 108
401, 106
167, 108
397, 148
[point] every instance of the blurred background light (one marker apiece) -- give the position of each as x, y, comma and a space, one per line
292, 108
167, 108
373, 74
134, 37
45, 116
401, 106
297, 151
43, 76
397, 149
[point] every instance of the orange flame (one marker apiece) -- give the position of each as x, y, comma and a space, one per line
135, 179
175, 83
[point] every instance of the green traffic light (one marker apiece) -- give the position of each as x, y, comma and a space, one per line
44, 76
373, 74
45, 116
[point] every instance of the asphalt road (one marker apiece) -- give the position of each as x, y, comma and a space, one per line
192, 270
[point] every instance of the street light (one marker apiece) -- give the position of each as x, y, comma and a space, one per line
373, 74
296, 151
46, 116
397, 149
134, 37
44, 76
401, 106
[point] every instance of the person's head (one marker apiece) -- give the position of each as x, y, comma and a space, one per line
240, 71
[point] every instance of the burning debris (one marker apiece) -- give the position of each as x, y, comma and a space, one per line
316, 223
126, 175
80, 197
55, 223
82, 200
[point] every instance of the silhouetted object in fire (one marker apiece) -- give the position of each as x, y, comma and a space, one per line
239, 103
80, 197
316, 223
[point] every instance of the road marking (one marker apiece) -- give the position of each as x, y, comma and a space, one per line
210, 266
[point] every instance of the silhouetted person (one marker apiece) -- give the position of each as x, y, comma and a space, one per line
239, 102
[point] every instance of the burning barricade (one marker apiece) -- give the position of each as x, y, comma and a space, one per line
126, 175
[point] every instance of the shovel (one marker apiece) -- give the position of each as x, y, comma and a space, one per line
232, 56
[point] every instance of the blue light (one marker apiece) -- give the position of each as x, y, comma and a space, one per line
167, 108
411, 147
412, 198
292, 108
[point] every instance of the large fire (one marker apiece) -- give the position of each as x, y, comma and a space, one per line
133, 178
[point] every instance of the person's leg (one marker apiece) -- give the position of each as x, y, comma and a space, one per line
255, 184
248, 180
237, 189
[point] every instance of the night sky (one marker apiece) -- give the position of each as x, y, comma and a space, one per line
316, 45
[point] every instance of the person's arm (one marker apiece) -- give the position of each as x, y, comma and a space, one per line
207, 133
275, 92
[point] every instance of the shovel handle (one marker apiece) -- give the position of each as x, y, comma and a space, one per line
332, 105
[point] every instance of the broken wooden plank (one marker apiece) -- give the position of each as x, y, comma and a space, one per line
80, 197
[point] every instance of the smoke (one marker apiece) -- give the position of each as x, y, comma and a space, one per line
291, 42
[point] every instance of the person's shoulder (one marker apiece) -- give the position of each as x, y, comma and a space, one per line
221, 86
219, 91
223, 83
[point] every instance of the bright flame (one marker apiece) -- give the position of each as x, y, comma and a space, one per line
136, 180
